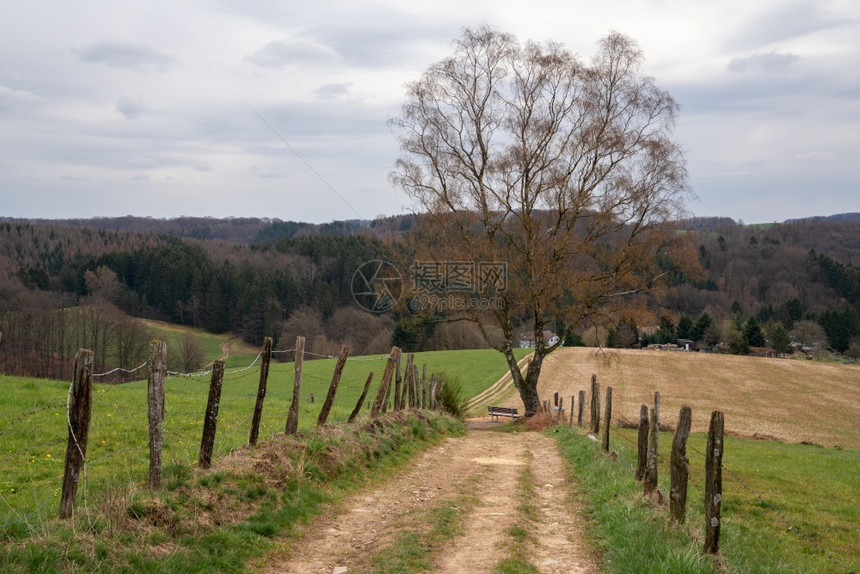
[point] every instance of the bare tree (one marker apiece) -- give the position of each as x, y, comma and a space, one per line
191, 355
565, 171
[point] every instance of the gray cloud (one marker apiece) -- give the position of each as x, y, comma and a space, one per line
331, 91
763, 62
788, 20
142, 163
121, 55
131, 108
278, 54
10, 97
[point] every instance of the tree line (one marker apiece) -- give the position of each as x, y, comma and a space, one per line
66, 287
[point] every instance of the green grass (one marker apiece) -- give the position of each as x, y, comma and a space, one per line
629, 535
786, 507
33, 431
766, 487
218, 521
477, 368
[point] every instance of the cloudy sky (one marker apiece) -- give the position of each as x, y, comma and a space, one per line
194, 108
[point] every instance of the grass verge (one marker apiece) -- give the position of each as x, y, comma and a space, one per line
629, 534
217, 520
767, 485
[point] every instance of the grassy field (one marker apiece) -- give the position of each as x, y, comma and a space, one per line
34, 428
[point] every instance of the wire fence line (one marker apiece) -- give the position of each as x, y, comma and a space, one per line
738, 479
187, 407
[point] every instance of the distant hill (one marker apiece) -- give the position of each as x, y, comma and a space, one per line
853, 216
245, 230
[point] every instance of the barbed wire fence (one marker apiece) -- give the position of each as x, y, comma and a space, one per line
739, 480
129, 424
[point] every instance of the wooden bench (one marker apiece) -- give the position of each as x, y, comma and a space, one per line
502, 412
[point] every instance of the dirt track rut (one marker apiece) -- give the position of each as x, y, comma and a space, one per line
483, 465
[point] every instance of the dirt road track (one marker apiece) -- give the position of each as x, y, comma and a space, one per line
485, 465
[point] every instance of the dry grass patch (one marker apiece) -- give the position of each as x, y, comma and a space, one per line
787, 399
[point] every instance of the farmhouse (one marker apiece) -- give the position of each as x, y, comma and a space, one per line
527, 340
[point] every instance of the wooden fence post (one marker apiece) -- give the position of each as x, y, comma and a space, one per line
407, 383
433, 392
408, 374
360, 402
155, 395
292, 425
607, 417
651, 463
261, 390
642, 443
79, 414
714, 483
555, 399
332, 388
210, 421
382, 393
571, 411
680, 467
424, 402
560, 410
595, 405
580, 409
398, 384
416, 383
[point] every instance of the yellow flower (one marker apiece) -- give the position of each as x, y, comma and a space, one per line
48, 455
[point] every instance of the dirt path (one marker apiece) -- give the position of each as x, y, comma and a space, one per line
225, 349
484, 465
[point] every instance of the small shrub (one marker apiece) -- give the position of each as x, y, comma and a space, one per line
449, 395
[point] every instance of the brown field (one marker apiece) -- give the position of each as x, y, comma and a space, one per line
791, 400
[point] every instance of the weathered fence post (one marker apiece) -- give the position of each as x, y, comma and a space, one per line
155, 395
595, 405
654, 435
398, 383
433, 392
571, 411
580, 409
332, 388
607, 417
416, 387
261, 390
292, 425
558, 415
714, 483
680, 467
406, 397
382, 393
360, 402
555, 399
642, 443
79, 413
424, 402
210, 421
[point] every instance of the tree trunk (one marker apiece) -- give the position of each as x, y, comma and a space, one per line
527, 386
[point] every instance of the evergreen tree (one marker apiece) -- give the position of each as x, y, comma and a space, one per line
753, 335
685, 327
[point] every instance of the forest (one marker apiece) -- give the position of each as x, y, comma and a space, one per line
83, 283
